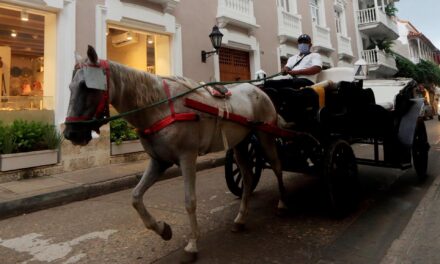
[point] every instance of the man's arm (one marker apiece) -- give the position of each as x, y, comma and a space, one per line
308, 71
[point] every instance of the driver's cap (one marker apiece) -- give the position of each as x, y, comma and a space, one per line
304, 38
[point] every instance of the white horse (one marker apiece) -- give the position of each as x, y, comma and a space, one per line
178, 141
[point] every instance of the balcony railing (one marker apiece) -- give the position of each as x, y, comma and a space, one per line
322, 38
238, 12
378, 57
289, 26
344, 46
374, 16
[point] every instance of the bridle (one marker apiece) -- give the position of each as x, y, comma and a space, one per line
102, 110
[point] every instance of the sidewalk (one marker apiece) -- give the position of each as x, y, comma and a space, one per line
34, 194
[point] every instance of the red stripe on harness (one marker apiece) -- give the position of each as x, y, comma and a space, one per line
215, 111
174, 117
268, 128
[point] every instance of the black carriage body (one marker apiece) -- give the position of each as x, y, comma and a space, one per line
349, 115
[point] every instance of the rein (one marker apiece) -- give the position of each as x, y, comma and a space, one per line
108, 118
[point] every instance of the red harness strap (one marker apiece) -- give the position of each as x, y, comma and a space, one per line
268, 128
174, 117
103, 107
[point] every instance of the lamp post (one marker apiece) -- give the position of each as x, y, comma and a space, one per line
216, 40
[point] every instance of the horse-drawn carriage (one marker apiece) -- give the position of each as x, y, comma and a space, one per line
331, 117
177, 121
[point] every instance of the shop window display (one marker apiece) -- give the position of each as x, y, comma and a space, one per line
22, 72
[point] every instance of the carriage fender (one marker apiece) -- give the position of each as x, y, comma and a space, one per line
408, 123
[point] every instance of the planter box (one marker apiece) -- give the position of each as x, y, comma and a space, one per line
125, 147
28, 159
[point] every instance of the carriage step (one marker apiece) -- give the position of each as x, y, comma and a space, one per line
381, 163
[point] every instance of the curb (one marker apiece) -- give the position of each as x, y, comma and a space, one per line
82, 192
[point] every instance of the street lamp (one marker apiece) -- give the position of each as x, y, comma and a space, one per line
361, 69
216, 40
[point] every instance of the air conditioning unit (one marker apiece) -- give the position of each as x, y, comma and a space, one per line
124, 39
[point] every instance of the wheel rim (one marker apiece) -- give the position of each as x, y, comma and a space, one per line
342, 177
420, 151
233, 175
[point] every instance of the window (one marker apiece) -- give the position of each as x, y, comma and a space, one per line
314, 8
144, 51
26, 83
338, 19
285, 5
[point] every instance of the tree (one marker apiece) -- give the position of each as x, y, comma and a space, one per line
424, 72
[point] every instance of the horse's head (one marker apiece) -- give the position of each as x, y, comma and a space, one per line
88, 98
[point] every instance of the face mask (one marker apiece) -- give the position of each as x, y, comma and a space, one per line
303, 48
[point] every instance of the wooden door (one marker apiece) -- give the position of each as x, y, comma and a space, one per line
234, 65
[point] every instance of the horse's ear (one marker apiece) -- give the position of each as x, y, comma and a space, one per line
78, 58
91, 53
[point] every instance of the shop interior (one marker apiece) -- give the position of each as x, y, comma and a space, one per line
23, 84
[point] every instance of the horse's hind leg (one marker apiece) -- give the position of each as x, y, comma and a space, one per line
153, 171
269, 147
188, 168
242, 159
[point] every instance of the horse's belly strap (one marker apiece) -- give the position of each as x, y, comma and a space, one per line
265, 127
161, 124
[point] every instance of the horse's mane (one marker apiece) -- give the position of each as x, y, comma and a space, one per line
143, 87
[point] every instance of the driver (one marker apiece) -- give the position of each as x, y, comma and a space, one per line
305, 66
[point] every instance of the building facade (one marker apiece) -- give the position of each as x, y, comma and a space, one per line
414, 45
166, 37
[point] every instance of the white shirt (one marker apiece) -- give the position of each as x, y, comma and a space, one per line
313, 59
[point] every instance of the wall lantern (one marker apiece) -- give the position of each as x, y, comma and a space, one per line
216, 40
360, 70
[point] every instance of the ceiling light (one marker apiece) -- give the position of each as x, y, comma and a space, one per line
24, 15
129, 36
150, 40
13, 33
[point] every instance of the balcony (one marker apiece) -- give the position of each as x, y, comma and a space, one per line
237, 12
380, 64
289, 26
344, 47
168, 5
321, 39
375, 22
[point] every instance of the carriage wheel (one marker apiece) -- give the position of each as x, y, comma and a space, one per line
420, 149
233, 176
340, 175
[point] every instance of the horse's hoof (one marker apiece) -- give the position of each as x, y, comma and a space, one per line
237, 228
167, 233
188, 257
282, 212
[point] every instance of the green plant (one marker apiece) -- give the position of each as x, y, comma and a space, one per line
24, 136
27, 135
384, 44
424, 72
120, 131
51, 137
391, 10
6, 140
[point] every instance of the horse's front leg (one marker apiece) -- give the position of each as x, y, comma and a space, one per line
188, 167
153, 171
242, 159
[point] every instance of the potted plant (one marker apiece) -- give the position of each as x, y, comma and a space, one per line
26, 144
124, 138
391, 10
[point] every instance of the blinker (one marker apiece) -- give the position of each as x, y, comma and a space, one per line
95, 78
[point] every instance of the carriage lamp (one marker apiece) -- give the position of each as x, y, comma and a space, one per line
216, 40
360, 70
